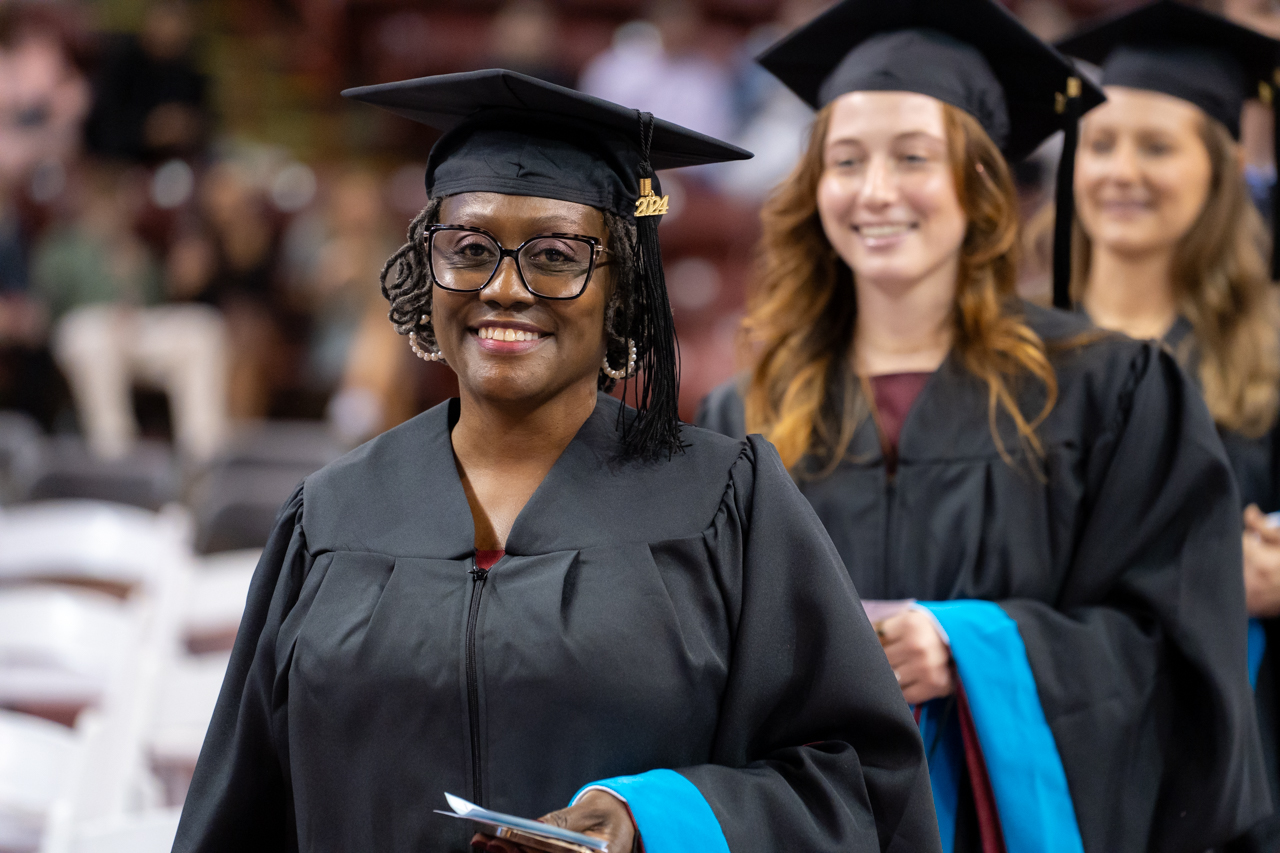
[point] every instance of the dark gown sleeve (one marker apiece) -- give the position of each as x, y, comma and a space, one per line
1140, 666
815, 749
1256, 463
239, 797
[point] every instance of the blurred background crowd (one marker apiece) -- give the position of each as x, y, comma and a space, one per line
192, 220
192, 224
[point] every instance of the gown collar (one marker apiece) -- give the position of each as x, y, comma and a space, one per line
947, 420
564, 491
400, 494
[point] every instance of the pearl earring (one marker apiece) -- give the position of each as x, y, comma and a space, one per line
626, 371
425, 354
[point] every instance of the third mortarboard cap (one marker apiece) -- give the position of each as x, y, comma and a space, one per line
1181, 51
510, 133
971, 54
1197, 56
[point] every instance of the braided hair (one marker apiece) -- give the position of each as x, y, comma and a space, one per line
407, 286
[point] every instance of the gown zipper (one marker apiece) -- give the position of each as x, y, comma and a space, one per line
478, 577
890, 488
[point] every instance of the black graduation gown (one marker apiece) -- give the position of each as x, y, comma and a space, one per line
1118, 559
676, 615
1256, 465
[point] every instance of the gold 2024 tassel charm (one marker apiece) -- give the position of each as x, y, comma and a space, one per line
649, 204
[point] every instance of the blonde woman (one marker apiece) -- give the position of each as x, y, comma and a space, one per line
1050, 495
1168, 245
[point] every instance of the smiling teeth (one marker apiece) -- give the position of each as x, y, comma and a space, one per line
494, 333
881, 230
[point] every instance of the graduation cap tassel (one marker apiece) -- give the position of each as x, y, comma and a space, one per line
1064, 194
657, 398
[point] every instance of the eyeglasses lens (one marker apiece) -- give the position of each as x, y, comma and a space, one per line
555, 267
463, 260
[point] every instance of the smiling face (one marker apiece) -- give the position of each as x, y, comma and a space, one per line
887, 196
1143, 172
507, 345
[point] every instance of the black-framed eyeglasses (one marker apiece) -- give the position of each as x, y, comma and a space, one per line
551, 266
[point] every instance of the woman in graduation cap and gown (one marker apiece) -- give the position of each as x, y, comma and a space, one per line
1054, 499
534, 590
1168, 245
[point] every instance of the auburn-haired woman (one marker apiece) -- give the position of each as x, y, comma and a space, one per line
1169, 245
1052, 497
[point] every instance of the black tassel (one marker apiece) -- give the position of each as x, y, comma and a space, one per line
1064, 198
655, 431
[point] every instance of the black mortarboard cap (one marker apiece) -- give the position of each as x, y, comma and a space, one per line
971, 54
1190, 54
509, 133
1184, 52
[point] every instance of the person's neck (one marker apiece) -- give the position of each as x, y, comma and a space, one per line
905, 329
499, 434
1131, 293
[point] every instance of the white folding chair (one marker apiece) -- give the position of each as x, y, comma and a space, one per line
216, 593
61, 647
186, 698
145, 832
66, 645
95, 543
36, 757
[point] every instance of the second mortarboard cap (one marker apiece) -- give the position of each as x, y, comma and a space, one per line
1196, 56
509, 133
971, 54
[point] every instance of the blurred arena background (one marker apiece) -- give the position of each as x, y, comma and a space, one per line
192, 223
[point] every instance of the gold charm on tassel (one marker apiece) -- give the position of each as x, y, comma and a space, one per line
649, 204
1074, 89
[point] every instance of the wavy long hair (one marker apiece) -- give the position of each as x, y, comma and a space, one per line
1222, 286
803, 393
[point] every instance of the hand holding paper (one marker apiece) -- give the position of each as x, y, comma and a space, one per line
916, 647
561, 831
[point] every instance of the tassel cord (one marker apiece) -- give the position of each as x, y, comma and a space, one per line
1064, 205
